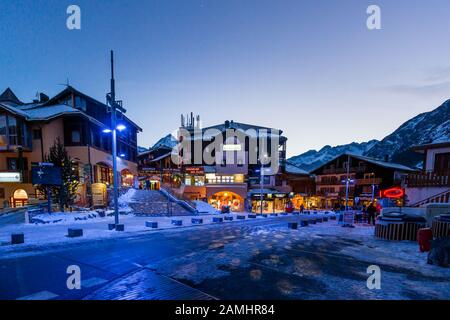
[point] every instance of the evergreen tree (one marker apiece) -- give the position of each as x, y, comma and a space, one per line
67, 191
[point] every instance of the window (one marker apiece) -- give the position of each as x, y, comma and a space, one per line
14, 165
442, 163
80, 103
75, 136
12, 128
3, 135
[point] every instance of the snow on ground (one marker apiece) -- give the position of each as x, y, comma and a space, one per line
126, 198
204, 207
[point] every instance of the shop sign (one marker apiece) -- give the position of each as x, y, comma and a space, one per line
46, 174
392, 193
99, 194
194, 170
10, 177
348, 217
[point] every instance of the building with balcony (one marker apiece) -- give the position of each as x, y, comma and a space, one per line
432, 184
156, 168
28, 130
232, 177
366, 176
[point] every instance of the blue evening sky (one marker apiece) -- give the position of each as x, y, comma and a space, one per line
308, 67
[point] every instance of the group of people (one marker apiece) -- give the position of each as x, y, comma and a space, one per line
370, 213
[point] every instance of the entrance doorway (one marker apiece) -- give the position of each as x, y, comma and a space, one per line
19, 198
227, 198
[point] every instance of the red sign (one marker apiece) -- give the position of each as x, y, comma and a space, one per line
392, 193
194, 170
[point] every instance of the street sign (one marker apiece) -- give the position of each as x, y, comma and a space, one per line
46, 175
348, 218
10, 177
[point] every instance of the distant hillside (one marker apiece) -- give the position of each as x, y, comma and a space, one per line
313, 159
428, 127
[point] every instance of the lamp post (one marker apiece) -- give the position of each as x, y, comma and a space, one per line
261, 182
115, 106
347, 183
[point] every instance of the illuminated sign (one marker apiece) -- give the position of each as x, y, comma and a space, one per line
10, 177
392, 193
232, 147
194, 170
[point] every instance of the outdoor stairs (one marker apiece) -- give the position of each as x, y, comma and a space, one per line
443, 197
155, 203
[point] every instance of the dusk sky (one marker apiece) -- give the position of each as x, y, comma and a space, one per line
310, 68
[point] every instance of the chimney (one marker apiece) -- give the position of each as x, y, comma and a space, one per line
227, 124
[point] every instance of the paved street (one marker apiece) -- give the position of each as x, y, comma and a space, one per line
257, 259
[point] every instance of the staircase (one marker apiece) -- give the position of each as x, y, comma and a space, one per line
155, 203
443, 197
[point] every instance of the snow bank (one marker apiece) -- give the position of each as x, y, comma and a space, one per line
126, 198
204, 207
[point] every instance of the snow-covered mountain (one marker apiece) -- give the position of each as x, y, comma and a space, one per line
428, 127
168, 141
313, 159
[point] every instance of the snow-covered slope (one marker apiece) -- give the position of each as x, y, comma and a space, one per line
168, 141
313, 159
428, 127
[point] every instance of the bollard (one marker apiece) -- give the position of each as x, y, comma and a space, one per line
312, 221
17, 238
111, 226
73, 233
274, 214
120, 227
319, 220
177, 222
151, 224
230, 218
292, 225
196, 221
240, 217
216, 219
333, 217
252, 216
264, 215
295, 213
325, 219
284, 214
304, 223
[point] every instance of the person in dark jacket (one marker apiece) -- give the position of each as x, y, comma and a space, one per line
371, 212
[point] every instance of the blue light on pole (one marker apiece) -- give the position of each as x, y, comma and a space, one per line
121, 127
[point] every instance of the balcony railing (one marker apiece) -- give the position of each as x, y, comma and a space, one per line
344, 170
427, 180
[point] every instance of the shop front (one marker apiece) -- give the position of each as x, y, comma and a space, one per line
227, 199
272, 201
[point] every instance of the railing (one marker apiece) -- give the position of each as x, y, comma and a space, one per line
172, 196
344, 170
369, 181
427, 180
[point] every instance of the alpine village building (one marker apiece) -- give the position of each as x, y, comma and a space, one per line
369, 179
432, 184
235, 184
28, 130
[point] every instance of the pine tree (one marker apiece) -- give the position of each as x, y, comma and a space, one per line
67, 191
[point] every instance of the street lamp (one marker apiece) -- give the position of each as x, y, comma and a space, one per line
116, 106
261, 181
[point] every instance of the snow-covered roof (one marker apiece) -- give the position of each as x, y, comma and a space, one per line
45, 113
384, 164
290, 168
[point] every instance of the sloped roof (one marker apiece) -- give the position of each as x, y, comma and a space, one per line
384, 164
293, 169
8, 95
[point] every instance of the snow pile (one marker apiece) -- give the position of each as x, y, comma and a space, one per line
126, 198
204, 207
63, 217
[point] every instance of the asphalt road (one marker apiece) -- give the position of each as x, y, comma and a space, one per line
257, 259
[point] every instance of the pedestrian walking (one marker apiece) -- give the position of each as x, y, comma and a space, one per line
371, 212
